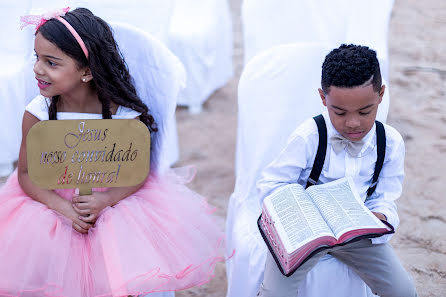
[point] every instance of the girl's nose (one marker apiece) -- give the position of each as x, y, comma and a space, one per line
37, 69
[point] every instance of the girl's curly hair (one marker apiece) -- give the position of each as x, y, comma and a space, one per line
111, 77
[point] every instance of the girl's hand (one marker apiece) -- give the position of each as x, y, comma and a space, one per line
88, 207
65, 208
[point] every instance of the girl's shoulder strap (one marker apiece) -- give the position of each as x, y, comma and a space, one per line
38, 107
126, 113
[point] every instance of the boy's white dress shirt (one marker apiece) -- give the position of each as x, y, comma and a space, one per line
295, 161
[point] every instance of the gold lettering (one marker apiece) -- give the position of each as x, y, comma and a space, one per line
109, 156
134, 154
63, 176
79, 179
125, 156
43, 157
117, 156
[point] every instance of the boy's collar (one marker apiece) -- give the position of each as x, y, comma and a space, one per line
369, 138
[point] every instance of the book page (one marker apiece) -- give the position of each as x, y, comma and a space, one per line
296, 219
342, 208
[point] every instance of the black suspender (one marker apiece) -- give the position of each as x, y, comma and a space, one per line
381, 151
322, 149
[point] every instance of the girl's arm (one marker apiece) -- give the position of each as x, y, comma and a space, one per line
46, 197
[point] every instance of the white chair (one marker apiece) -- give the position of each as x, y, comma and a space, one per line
200, 34
17, 83
277, 91
267, 23
158, 76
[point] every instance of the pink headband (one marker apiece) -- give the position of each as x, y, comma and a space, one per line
39, 20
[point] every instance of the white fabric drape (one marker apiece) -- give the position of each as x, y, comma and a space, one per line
277, 91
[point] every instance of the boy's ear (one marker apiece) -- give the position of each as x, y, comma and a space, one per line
381, 93
321, 93
86, 76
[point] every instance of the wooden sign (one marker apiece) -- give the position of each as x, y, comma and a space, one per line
88, 154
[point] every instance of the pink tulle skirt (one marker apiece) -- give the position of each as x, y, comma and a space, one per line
161, 238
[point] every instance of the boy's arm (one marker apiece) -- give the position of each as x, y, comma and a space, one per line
390, 184
287, 167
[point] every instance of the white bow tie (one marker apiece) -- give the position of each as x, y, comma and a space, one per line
339, 143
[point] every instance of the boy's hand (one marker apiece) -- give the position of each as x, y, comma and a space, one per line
380, 216
88, 207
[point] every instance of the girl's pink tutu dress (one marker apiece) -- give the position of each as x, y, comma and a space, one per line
161, 238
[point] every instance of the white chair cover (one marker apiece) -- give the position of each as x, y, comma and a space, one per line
152, 16
277, 91
158, 77
267, 23
372, 28
200, 34
16, 75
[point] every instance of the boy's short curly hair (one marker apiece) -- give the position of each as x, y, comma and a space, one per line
350, 66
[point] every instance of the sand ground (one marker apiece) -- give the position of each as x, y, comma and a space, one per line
417, 50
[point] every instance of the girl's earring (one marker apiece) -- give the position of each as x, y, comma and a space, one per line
84, 79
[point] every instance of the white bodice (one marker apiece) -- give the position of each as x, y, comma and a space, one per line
39, 108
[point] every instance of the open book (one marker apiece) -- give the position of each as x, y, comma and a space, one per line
297, 223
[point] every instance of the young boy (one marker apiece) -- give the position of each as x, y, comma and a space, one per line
351, 91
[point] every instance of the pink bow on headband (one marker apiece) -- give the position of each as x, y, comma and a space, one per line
39, 20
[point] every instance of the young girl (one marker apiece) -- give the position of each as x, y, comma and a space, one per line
157, 236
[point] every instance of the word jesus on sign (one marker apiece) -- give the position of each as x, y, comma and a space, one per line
88, 154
